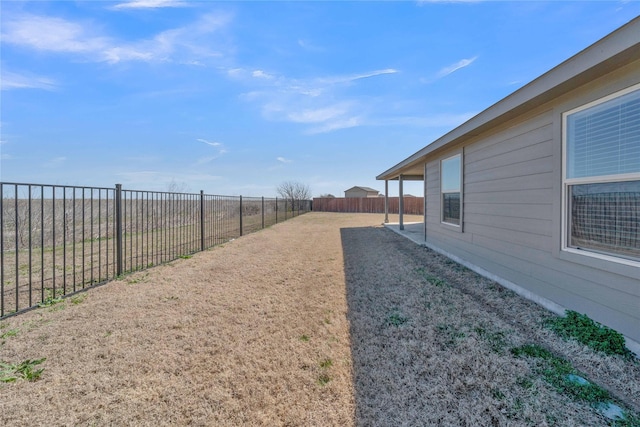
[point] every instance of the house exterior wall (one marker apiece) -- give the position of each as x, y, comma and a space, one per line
358, 192
512, 212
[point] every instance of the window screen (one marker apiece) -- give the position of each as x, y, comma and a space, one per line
602, 177
606, 217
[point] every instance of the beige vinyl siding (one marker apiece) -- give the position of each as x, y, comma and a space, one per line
509, 194
513, 209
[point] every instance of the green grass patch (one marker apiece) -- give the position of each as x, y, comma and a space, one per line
496, 340
559, 373
10, 372
324, 379
50, 301
326, 363
9, 333
78, 299
304, 338
586, 331
396, 319
434, 280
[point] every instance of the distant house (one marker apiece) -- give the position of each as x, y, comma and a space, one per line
541, 191
354, 192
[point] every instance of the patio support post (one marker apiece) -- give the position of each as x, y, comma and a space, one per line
401, 201
386, 201
424, 206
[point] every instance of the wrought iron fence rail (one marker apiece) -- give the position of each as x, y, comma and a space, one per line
56, 240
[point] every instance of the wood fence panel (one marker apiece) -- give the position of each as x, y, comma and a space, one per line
412, 205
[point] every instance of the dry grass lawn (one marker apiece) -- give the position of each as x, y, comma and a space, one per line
327, 319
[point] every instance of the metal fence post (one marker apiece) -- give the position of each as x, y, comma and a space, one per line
202, 220
118, 196
240, 215
276, 210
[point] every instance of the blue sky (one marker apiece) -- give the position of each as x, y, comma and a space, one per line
237, 97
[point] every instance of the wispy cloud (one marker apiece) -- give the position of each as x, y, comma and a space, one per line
307, 45
322, 102
261, 75
333, 125
283, 160
150, 4
10, 80
188, 45
455, 67
211, 143
219, 151
52, 34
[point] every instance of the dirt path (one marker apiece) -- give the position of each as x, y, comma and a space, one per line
327, 319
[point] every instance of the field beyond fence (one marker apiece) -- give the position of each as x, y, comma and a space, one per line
57, 240
412, 205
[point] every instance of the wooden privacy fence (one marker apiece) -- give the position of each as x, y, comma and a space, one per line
412, 205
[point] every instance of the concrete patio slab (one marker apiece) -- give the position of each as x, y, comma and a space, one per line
413, 231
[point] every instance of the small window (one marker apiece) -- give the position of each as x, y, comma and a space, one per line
451, 178
602, 176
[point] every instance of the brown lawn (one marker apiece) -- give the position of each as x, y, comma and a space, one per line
327, 319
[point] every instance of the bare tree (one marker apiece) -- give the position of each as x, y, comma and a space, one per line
294, 192
177, 187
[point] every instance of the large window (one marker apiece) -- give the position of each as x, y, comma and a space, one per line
602, 176
451, 178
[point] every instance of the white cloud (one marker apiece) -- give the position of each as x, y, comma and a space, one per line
186, 45
150, 4
11, 80
354, 77
211, 143
52, 34
320, 101
455, 67
261, 75
283, 160
319, 115
219, 148
333, 125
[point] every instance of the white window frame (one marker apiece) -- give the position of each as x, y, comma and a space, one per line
460, 187
566, 182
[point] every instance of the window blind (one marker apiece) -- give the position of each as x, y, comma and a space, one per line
605, 139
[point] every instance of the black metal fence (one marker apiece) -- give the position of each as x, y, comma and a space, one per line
57, 240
